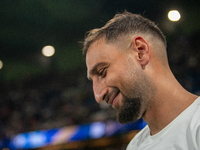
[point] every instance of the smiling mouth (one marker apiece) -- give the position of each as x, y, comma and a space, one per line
112, 97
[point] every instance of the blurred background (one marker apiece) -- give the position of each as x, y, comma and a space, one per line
43, 84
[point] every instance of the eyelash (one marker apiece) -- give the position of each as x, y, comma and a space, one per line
102, 72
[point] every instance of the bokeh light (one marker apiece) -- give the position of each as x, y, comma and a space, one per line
1, 64
174, 15
48, 51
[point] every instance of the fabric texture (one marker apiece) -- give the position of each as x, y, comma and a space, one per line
183, 133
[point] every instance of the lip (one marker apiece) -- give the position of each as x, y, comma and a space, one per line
112, 100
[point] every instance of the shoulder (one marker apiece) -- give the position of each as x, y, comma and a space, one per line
193, 130
139, 138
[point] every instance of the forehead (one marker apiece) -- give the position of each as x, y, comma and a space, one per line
99, 51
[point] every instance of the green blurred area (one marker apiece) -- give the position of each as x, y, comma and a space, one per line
29, 25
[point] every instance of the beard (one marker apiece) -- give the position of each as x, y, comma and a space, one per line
136, 101
130, 110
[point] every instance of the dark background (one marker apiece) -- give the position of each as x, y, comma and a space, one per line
29, 25
42, 93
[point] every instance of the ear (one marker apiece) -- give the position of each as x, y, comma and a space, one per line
141, 47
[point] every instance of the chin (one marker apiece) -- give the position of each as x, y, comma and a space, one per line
123, 117
129, 111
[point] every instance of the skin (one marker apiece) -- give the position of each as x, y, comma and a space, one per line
134, 73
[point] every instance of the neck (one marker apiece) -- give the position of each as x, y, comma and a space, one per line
170, 100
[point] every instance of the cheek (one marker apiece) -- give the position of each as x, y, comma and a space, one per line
114, 77
128, 82
119, 79
122, 75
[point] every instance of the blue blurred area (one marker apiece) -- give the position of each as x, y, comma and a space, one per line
94, 130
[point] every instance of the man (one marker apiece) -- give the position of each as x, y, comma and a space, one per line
127, 63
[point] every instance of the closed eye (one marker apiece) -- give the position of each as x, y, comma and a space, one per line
102, 72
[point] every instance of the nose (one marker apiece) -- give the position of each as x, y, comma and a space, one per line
100, 90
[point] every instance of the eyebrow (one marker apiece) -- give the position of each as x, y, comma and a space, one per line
94, 69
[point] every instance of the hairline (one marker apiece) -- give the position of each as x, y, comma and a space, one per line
96, 34
115, 40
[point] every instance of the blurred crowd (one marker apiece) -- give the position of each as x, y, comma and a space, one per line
49, 101
62, 98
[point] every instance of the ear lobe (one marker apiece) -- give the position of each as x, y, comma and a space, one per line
142, 49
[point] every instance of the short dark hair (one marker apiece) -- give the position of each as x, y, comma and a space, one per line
123, 24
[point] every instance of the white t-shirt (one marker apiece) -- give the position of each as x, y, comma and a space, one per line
183, 133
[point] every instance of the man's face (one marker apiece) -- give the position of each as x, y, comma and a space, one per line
118, 79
